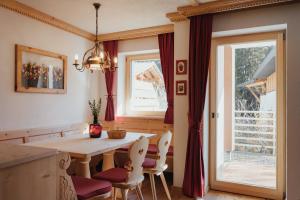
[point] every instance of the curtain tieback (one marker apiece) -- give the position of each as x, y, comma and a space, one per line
110, 96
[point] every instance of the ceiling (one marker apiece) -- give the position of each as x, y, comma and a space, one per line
115, 15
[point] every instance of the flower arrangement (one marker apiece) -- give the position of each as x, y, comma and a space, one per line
95, 108
58, 74
45, 74
31, 71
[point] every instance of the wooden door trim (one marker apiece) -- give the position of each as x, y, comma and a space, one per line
281, 112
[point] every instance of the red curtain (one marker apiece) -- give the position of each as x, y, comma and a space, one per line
199, 56
166, 50
112, 48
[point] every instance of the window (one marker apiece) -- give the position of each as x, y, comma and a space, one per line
145, 93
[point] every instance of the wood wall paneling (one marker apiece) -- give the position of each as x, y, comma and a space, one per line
30, 181
34, 134
143, 125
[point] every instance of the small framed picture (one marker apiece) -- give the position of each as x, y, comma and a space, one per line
181, 67
181, 87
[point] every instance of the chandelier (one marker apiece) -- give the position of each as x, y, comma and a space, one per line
96, 59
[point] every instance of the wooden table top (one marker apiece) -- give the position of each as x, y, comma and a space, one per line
81, 145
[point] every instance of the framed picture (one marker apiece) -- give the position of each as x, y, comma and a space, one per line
181, 87
181, 67
39, 71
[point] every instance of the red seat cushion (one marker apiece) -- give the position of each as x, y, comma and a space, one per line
86, 188
170, 151
152, 149
149, 163
114, 175
123, 149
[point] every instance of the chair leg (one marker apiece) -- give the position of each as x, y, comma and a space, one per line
153, 186
141, 185
139, 193
163, 180
115, 193
124, 194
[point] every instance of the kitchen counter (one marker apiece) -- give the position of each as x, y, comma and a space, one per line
12, 155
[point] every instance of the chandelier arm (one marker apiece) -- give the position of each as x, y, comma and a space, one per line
82, 69
79, 68
84, 55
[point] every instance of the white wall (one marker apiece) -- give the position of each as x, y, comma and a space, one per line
181, 52
268, 101
26, 110
140, 44
290, 15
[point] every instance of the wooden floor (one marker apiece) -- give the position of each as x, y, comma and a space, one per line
176, 194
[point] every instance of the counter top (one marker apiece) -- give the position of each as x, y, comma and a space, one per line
12, 155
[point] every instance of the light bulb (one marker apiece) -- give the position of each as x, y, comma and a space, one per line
115, 60
101, 55
76, 59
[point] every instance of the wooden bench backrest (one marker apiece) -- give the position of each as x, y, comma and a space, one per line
35, 134
155, 126
141, 125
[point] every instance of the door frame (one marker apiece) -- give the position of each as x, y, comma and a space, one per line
279, 192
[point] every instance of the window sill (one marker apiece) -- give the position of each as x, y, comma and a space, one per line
139, 117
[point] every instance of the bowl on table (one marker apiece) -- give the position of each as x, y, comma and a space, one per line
116, 134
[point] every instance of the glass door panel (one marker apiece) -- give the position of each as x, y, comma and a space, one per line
245, 127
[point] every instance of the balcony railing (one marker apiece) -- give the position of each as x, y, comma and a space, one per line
254, 131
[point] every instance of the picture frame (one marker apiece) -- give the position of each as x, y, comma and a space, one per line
181, 67
181, 87
40, 71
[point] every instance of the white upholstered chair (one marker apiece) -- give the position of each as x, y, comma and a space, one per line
157, 165
131, 175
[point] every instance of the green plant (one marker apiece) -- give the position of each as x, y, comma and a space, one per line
95, 108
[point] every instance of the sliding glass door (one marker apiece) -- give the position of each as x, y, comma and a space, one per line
247, 115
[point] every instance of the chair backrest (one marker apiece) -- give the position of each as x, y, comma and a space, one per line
163, 145
65, 187
137, 153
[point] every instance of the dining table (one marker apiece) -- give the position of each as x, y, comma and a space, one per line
81, 147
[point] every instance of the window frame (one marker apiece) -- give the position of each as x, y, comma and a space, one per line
128, 112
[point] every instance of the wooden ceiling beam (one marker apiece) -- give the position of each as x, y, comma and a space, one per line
137, 33
45, 18
221, 6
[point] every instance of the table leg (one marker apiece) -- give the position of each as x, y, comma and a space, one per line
83, 167
108, 160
